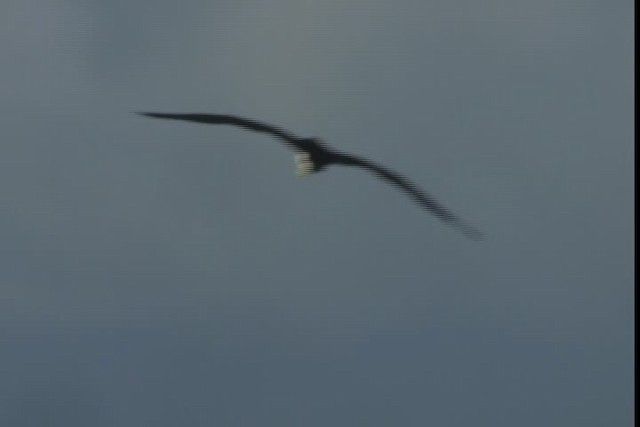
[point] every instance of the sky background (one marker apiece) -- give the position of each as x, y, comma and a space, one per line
165, 273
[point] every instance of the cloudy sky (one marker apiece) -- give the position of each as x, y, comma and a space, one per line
165, 273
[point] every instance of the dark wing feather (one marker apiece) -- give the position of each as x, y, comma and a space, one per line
415, 192
225, 119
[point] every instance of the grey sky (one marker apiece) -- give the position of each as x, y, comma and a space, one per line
165, 273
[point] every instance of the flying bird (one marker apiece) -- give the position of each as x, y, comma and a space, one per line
312, 156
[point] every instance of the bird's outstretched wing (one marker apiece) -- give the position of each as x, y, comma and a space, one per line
415, 192
225, 119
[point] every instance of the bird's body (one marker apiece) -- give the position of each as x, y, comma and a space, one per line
312, 156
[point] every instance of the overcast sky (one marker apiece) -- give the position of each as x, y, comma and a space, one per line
159, 273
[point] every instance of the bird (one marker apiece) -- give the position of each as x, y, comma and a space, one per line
312, 155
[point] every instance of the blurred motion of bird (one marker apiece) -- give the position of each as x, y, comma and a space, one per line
312, 155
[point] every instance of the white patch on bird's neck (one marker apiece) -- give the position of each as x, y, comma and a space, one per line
304, 165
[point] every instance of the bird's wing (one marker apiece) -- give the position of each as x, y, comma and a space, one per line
415, 192
225, 119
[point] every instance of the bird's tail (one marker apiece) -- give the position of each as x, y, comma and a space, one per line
304, 164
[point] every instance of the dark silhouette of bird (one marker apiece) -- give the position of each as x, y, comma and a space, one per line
312, 155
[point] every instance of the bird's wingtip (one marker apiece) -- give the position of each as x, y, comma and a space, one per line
472, 232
